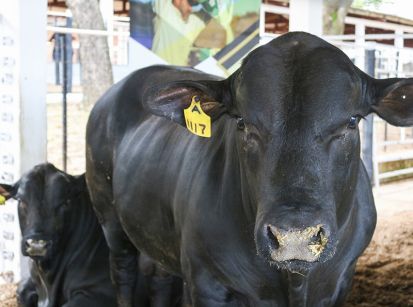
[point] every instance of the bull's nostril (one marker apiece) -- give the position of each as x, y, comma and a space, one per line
318, 242
28, 242
273, 239
320, 235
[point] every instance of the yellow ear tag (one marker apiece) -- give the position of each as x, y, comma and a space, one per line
2, 200
197, 121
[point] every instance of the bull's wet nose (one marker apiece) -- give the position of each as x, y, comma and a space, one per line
36, 247
304, 244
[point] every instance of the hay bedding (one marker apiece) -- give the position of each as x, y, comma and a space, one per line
384, 275
8, 295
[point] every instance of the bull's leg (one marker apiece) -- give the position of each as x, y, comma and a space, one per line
204, 290
123, 262
345, 285
123, 254
27, 294
163, 289
186, 295
88, 299
208, 292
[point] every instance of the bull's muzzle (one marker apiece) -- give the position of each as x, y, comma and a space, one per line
36, 248
306, 244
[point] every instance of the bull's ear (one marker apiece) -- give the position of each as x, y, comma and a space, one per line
78, 184
7, 191
393, 100
169, 100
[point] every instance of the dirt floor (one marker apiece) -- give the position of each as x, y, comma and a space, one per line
384, 275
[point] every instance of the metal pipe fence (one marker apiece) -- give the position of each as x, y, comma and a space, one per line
390, 144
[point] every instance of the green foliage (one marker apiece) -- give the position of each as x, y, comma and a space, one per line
334, 16
362, 4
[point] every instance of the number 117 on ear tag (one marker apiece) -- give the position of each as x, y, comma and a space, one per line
197, 121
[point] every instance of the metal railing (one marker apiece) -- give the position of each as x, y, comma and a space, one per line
117, 37
390, 61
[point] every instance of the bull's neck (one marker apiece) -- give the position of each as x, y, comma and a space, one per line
236, 173
352, 216
82, 230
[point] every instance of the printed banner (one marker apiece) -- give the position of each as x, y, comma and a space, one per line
186, 32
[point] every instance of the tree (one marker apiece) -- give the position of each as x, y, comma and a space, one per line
96, 68
335, 12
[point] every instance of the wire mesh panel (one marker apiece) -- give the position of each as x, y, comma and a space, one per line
10, 256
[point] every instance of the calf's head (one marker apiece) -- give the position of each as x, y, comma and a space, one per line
44, 196
295, 105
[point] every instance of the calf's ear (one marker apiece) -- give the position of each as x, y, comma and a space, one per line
169, 100
7, 191
78, 184
393, 100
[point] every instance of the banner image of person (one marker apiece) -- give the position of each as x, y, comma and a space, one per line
186, 32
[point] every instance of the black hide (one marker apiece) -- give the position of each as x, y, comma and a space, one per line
72, 268
231, 213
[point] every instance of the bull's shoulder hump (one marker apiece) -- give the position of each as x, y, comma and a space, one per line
122, 105
138, 81
299, 40
158, 74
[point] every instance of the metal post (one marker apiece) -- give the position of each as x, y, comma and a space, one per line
367, 143
69, 55
56, 57
64, 106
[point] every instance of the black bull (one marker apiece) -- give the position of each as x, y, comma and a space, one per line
69, 256
275, 208
61, 235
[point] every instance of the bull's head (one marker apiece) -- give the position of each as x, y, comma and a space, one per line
44, 195
295, 105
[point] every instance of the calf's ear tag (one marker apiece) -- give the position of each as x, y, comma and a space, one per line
2, 200
197, 121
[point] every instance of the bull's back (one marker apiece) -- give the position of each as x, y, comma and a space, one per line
132, 154
118, 112
121, 107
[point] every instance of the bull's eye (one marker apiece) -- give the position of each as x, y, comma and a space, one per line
240, 123
352, 124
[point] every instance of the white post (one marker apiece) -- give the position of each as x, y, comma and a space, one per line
33, 63
262, 21
306, 16
399, 44
106, 8
399, 41
360, 42
22, 113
